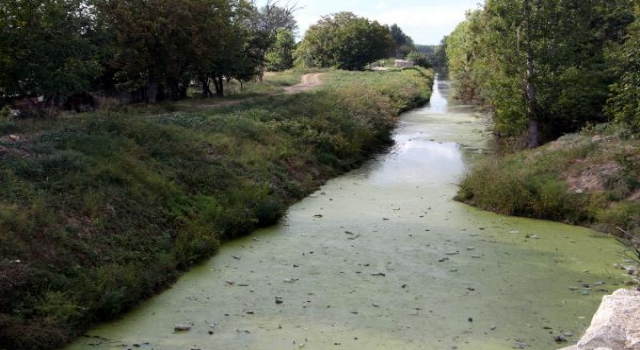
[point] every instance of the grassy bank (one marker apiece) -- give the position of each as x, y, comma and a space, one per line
591, 178
101, 211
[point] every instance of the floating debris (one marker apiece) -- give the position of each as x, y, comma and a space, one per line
379, 274
181, 327
560, 339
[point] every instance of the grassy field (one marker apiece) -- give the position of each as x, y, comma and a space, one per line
100, 211
591, 178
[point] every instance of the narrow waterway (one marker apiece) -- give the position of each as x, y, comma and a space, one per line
382, 258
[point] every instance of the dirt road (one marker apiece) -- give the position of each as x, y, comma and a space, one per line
308, 82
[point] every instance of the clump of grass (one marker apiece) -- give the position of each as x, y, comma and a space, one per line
99, 212
589, 178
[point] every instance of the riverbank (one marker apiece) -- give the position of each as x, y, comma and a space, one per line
100, 212
590, 178
382, 258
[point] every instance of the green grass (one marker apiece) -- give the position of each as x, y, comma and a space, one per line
591, 179
101, 211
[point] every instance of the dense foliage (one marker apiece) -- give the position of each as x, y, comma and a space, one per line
46, 48
280, 55
345, 41
541, 65
402, 42
624, 104
103, 210
151, 49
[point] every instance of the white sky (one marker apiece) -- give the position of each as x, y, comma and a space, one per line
426, 21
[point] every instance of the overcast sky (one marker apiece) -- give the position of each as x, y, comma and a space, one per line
426, 21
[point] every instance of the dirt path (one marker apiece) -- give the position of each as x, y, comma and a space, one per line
308, 82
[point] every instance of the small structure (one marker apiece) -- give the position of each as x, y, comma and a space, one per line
403, 64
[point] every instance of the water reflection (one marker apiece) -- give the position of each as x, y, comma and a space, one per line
438, 103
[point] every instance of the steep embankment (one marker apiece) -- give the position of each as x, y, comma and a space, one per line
100, 212
591, 178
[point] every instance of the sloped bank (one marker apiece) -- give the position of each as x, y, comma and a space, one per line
590, 178
102, 212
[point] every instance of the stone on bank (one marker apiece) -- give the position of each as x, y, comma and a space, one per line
616, 324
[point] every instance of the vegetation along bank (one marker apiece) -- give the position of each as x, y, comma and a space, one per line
563, 74
102, 210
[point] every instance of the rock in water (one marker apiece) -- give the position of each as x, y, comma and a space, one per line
616, 324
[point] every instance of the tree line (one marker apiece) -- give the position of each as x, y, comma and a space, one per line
57, 48
156, 49
549, 67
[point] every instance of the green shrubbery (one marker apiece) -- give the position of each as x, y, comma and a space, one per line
102, 211
588, 179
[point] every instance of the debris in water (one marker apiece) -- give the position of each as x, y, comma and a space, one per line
560, 339
493, 328
452, 253
279, 300
443, 259
318, 216
379, 274
182, 327
354, 237
230, 283
290, 280
470, 319
235, 257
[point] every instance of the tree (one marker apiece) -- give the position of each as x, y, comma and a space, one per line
280, 55
403, 43
541, 64
265, 24
345, 41
624, 104
44, 48
419, 59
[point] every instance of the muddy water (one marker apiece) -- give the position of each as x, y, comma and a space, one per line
382, 258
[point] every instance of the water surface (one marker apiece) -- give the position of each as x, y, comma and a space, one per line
382, 258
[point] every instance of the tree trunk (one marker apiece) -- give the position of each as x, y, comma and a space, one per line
532, 110
173, 89
218, 81
152, 92
183, 89
206, 90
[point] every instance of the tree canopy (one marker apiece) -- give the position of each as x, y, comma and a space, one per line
403, 43
151, 48
345, 41
45, 47
541, 65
